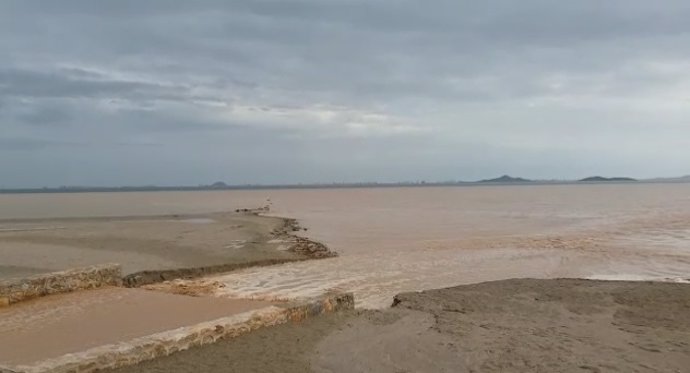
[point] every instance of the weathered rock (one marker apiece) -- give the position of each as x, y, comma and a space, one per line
303, 246
311, 249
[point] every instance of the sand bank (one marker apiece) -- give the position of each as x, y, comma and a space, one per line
152, 247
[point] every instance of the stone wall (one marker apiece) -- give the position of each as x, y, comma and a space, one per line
17, 290
166, 343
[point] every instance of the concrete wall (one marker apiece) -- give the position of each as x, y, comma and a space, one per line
17, 290
166, 343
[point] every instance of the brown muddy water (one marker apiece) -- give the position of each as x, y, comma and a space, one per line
393, 240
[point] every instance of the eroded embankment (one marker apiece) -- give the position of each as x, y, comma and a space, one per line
152, 249
263, 234
94, 277
129, 351
303, 248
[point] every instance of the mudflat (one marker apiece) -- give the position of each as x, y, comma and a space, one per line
527, 325
139, 243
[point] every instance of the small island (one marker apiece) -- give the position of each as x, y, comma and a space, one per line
601, 179
505, 179
219, 185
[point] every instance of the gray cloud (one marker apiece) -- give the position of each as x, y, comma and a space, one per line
78, 83
307, 90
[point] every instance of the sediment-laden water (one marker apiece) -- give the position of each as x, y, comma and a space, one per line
400, 239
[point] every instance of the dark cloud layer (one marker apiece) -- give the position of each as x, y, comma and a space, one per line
182, 92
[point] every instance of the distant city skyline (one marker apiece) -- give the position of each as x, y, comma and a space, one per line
308, 91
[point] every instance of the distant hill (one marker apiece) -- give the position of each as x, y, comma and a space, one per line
601, 179
505, 179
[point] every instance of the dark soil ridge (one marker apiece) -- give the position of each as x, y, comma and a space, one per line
308, 250
301, 245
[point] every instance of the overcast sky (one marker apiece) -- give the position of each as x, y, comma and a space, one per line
189, 92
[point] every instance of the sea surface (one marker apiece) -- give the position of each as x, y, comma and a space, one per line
392, 240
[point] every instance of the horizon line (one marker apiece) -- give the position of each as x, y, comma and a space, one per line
220, 185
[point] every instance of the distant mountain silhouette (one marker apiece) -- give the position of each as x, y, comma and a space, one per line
601, 179
505, 179
218, 185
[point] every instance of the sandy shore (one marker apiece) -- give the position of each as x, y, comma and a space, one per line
153, 243
505, 326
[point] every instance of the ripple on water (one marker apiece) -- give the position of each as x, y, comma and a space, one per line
375, 280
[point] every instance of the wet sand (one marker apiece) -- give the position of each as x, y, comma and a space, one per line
505, 326
139, 243
53, 326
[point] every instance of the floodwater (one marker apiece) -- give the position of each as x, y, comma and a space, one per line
50, 327
392, 240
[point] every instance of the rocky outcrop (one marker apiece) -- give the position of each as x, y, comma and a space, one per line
311, 249
17, 290
301, 245
166, 343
